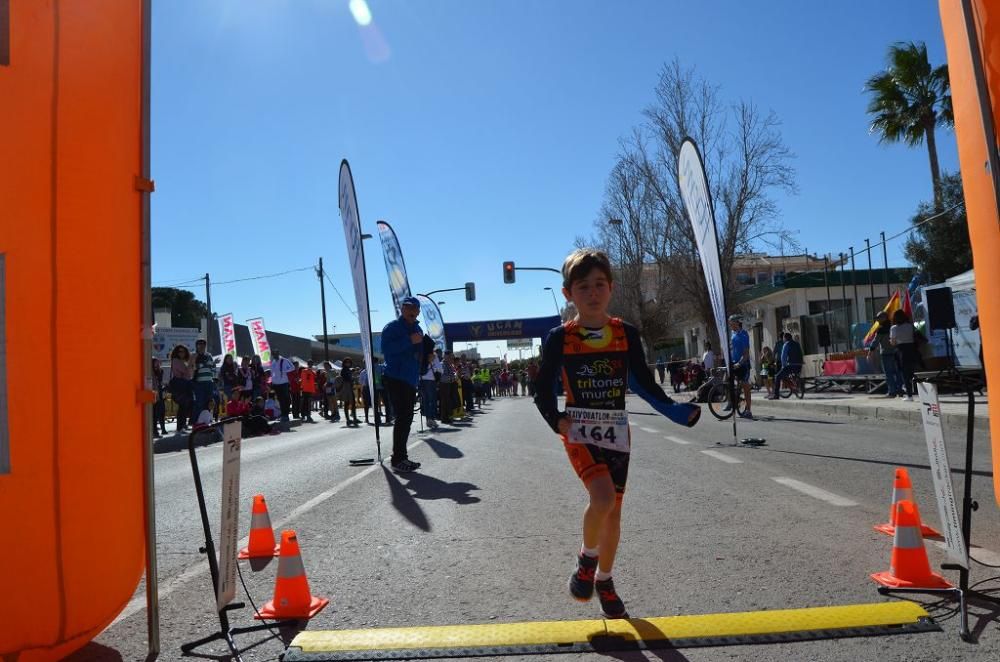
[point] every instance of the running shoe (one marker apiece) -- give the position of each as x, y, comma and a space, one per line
581, 582
403, 467
611, 605
746, 414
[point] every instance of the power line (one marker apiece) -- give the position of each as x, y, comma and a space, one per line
346, 305
263, 276
190, 281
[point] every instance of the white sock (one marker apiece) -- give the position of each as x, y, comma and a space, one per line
601, 576
587, 551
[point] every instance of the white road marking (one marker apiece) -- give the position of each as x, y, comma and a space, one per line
722, 456
199, 568
678, 440
649, 430
981, 554
815, 492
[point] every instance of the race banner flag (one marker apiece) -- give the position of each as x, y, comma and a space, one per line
258, 336
930, 410
971, 31
395, 268
227, 333
356, 256
432, 321
890, 308
694, 191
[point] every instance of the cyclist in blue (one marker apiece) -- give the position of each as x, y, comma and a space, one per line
791, 363
739, 348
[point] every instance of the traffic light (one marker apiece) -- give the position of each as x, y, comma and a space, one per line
508, 272
470, 291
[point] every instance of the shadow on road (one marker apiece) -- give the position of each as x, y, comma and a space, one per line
987, 474
630, 652
980, 621
94, 652
443, 450
285, 631
427, 487
404, 503
765, 417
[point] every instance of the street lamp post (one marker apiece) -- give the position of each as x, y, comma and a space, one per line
558, 310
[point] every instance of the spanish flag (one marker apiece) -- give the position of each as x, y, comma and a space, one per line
895, 303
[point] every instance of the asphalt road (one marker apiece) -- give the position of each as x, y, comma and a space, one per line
488, 529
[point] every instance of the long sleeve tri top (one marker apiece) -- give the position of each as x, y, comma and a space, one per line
595, 366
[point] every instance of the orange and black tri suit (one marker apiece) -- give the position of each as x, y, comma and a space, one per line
596, 366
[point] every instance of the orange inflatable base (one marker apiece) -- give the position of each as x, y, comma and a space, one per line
925, 531
245, 554
59, 651
887, 579
269, 612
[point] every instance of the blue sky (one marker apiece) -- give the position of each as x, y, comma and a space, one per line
484, 131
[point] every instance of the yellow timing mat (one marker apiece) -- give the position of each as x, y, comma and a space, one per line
755, 627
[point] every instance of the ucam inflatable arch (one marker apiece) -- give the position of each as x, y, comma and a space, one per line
972, 38
72, 286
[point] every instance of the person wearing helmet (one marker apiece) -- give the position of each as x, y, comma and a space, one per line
739, 351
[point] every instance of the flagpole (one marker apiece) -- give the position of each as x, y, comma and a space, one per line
871, 283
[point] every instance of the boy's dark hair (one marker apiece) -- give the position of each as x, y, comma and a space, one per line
900, 317
581, 262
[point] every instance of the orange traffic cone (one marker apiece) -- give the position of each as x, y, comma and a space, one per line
902, 490
261, 534
292, 598
909, 567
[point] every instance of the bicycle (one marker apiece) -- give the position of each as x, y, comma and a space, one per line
793, 383
719, 396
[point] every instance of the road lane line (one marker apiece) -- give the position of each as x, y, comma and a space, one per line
199, 568
815, 492
678, 440
722, 456
649, 430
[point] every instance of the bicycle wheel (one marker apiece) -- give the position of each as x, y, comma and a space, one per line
784, 389
718, 398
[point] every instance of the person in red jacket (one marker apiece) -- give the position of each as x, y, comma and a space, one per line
307, 384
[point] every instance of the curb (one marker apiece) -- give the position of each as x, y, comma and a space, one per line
874, 412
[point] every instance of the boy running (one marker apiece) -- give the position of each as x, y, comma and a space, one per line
597, 356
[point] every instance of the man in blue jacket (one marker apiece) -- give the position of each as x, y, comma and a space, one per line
402, 344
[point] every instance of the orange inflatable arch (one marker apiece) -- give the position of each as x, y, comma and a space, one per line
974, 112
71, 318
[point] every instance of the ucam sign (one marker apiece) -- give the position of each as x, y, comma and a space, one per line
258, 336
227, 334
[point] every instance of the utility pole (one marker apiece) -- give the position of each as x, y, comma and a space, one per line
826, 311
885, 263
843, 304
871, 283
322, 299
209, 323
854, 281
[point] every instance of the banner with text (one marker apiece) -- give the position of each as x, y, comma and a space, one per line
230, 517
258, 336
531, 327
227, 334
698, 201
930, 410
164, 340
433, 323
356, 256
395, 268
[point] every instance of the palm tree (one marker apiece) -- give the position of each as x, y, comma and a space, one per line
909, 100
